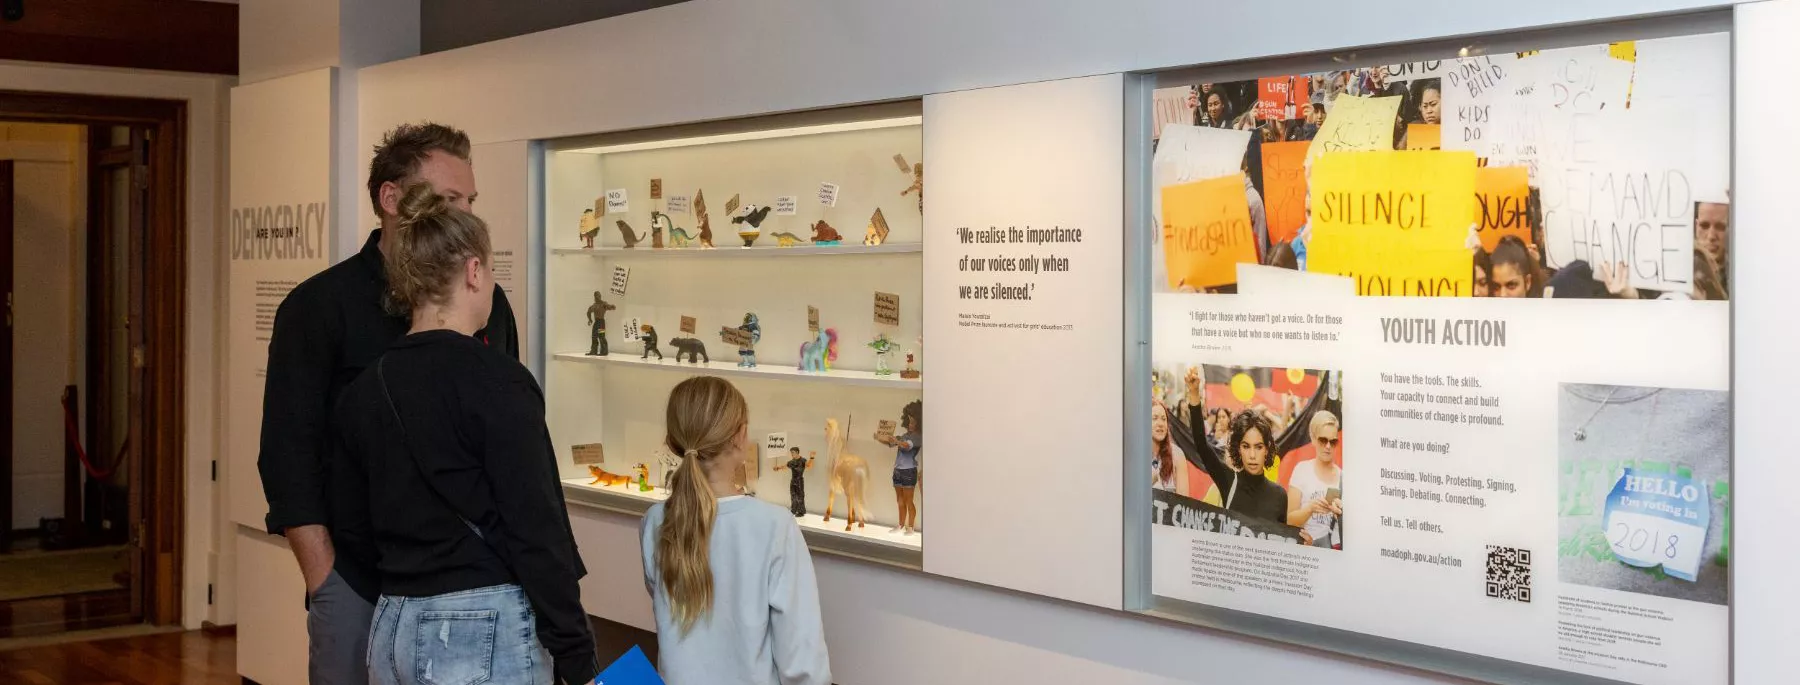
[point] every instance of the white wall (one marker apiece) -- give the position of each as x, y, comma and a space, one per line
49, 285
781, 55
204, 96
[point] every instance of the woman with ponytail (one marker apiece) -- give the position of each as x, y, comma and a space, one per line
444, 437
729, 575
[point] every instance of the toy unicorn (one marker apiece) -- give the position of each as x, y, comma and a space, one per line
820, 352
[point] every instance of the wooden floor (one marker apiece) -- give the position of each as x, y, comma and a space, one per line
51, 615
194, 658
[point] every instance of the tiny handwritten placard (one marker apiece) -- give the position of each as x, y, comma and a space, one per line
700, 203
620, 278
900, 161
600, 206
732, 204
884, 430
617, 201
828, 194
812, 318
734, 336
687, 324
634, 328
656, 189
787, 205
680, 204
775, 447
887, 308
592, 453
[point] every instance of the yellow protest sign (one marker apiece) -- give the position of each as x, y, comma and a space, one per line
1206, 232
1353, 123
1424, 136
1502, 194
1394, 221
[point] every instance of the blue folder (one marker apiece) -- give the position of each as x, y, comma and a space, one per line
632, 669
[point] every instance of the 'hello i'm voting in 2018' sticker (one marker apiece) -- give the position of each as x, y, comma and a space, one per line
1658, 520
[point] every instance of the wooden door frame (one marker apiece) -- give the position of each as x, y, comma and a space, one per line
7, 179
160, 463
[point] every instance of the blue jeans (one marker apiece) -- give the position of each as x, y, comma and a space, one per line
486, 636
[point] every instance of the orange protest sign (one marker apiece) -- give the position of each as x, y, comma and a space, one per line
1206, 232
1502, 194
1424, 136
1394, 221
1284, 188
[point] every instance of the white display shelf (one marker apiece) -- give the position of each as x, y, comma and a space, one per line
732, 251
730, 368
813, 524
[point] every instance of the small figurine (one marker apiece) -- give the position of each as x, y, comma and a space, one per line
824, 234
906, 463
656, 235
596, 314
909, 373
705, 232
667, 462
877, 232
590, 227
883, 347
603, 478
918, 185
649, 336
631, 237
785, 239
817, 354
643, 481
692, 347
751, 218
747, 353
797, 468
849, 476
678, 237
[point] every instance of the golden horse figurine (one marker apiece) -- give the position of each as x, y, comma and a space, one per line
849, 476
601, 477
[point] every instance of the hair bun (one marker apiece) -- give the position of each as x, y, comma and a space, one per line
420, 202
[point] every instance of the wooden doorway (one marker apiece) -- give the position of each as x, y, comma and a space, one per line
136, 259
6, 355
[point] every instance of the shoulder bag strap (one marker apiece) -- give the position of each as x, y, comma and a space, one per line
381, 375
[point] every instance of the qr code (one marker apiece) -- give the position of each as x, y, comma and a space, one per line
1509, 573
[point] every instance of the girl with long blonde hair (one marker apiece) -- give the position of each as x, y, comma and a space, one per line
729, 575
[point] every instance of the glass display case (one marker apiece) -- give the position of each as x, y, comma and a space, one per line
782, 253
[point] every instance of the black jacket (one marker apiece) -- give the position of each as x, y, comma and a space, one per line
462, 443
326, 332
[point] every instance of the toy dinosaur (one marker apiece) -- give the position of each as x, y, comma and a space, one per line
824, 234
785, 239
705, 232
590, 227
678, 237
694, 349
643, 474
631, 237
601, 477
818, 353
849, 476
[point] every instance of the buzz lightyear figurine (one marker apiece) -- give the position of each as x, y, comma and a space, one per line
747, 353
883, 347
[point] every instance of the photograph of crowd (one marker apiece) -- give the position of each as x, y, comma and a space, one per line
1264, 445
1527, 175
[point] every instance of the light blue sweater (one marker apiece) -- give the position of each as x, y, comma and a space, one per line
764, 628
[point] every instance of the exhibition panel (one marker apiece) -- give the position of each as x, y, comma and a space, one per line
782, 253
1348, 261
